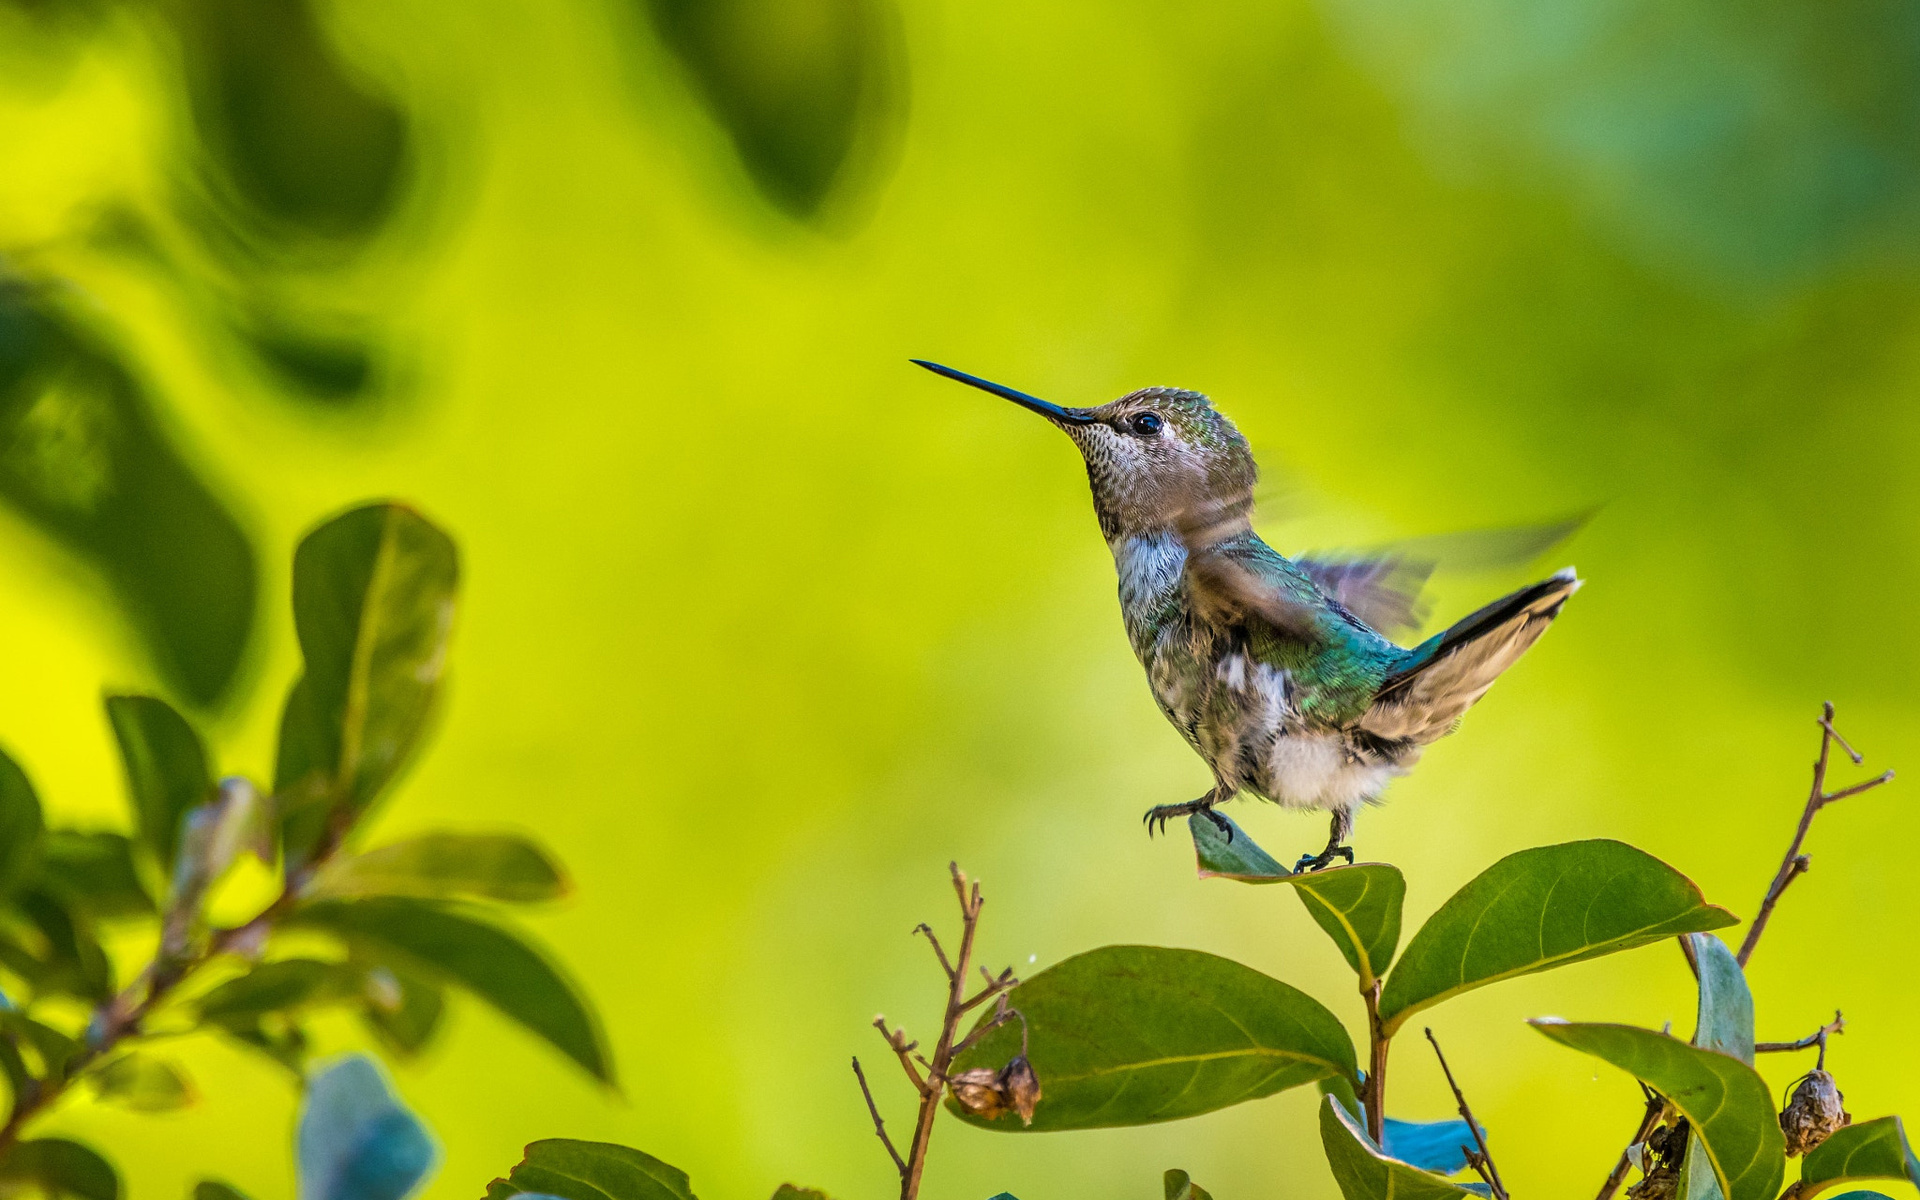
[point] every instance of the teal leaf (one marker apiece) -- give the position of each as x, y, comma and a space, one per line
1129, 1035
1539, 909
20, 824
1874, 1149
1728, 1104
357, 1142
94, 872
572, 1170
1438, 1146
142, 1083
373, 600
1725, 1018
166, 766
1180, 1186
492, 963
61, 1169
1358, 906
445, 865
1363, 1172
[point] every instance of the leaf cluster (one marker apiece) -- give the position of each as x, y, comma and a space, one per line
384, 932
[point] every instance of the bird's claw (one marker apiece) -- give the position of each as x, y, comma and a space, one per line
1158, 816
1322, 860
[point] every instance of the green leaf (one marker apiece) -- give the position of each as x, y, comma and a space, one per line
95, 872
1725, 1018
445, 865
575, 1170
1540, 909
143, 1083
1874, 1149
1727, 1103
20, 824
1219, 856
1364, 1173
1358, 906
282, 1042
213, 1189
483, 958
373, 599
60, 1168
1128, 1035
166, 766
274, 987
1180, 1186
54, 1048
790, 1192
1697, 1180
402, 1008
75, 964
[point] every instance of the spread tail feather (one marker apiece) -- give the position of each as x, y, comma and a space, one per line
1448, 672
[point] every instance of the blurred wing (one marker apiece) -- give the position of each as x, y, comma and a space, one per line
1383, 592
1382, 585
1244, 577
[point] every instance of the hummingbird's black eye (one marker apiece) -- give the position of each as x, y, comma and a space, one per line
1145, 424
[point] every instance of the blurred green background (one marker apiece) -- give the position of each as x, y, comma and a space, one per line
763, 626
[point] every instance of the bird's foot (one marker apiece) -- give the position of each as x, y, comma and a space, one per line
1324, 859
1158, 816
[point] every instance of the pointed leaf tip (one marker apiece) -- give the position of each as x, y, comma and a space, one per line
1539, 909
1358, 906
1875, 1149
1131, 1035
566, 1169
1728, 1104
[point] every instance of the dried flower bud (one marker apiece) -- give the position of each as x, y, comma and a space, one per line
990, 1094
1815, 1110
1021, 1087
979, 1092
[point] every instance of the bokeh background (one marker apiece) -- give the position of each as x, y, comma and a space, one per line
763, 626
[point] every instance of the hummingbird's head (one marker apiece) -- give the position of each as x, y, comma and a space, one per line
1159, 459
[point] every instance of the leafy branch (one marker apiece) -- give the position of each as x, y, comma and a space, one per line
374, 593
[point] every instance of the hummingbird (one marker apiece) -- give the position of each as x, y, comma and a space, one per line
1277, 671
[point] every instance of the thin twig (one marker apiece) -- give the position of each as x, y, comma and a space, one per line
1000, 1017
1796, 864
1485, 1165
926, 931
879, 1126
1651, 1118
903, 1050
949, 1046
1817, 1038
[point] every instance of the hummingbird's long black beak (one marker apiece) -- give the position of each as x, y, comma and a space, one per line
1066, 416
